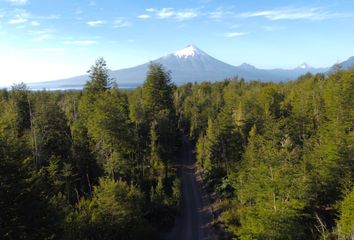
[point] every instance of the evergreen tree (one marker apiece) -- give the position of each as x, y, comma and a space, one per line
160, 113
99, 78
21, 97
158, 93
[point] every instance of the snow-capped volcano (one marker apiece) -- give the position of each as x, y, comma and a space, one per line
189, 51
191, 64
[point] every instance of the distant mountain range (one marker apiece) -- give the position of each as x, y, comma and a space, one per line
344, 65
193, 65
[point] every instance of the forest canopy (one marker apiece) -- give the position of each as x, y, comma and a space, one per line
100, 163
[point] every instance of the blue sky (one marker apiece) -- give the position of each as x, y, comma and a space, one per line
46, 39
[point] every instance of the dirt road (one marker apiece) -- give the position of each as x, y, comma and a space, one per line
194, 222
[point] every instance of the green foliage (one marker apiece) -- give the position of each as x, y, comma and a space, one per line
49, 133
110, 129
77, 165
176, 192
159, 196
115, 211
346, 219
203, 158
286, 149
202, 103
270, 192
117, 201
109, 122
157, 92
99, 78
20, 97
158, 107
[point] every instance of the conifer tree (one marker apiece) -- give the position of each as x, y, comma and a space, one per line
99, 77
160, 113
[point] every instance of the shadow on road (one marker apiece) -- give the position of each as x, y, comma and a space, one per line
194, 222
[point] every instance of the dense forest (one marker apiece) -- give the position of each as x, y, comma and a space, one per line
101, 163
279, 156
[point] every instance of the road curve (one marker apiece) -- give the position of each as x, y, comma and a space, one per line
194, 221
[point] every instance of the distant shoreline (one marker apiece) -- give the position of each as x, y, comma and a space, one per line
33, 87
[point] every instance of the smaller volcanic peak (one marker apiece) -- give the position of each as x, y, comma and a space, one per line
304, 66
246, 66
